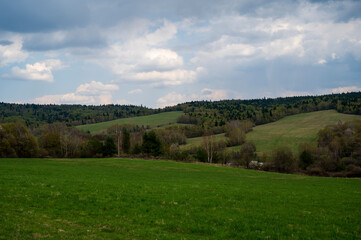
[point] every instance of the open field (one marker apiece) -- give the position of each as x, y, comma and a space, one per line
154, 120
293, 130
289, 131
198, 140
146, 199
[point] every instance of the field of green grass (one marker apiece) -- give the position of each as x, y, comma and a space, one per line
191, 142
154, 120
146, 199
289, 131
293, 130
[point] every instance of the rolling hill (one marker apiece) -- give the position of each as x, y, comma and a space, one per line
154, 120
289, 131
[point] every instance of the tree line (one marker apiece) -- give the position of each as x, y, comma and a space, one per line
212, 114
35, 115
338, 150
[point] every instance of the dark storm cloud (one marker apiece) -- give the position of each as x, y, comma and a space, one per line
42, 15
91, 38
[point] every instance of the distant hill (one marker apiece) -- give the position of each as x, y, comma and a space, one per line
151, 121
33, 115
289, 131
293, 130
208, 114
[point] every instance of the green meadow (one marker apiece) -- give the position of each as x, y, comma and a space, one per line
293, 130
289, 131
154, 120
148, 199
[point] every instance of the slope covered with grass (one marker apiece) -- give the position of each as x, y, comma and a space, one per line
293, 130
153, 120
289, 131
145, 199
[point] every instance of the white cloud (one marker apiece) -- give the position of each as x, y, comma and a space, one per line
146, 58
95, 88
93, 93
39, 71
343, 89
11, 53
135, 91
174, 98
168, 78
253, 38
322, 61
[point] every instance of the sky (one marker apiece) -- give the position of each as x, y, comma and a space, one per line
159, 53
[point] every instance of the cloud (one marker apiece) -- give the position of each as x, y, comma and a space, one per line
167, 78
145, 58
93, 93
39, 71
174, 98
342, 90
11, 51
135, 91
95, 88
322, 61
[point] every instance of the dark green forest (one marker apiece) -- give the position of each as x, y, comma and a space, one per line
34, 115
265, 110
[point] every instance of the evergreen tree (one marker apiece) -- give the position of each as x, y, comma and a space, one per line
109, 148
151, 144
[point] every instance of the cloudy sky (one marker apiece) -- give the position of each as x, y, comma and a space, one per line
161, 52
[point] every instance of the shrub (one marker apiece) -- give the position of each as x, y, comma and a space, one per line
284, 160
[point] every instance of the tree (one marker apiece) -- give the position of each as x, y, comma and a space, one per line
50, 141
109, 148
116, 129
284, 160
209, 146
25, 144
151, 144
94, 148
7, 141
126, 141
306, 155
248, 151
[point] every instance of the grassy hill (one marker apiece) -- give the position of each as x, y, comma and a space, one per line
154, 120
289, 131
145, 199
293, 130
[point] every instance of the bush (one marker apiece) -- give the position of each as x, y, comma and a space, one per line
284, 160
317, 171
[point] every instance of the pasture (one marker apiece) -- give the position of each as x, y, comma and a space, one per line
289, 131
148, 199
154, 120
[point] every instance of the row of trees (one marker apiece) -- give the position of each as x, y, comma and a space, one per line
338, 152
211, 114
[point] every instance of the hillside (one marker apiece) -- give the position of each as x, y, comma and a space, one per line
289, 131
293, 130
145, 199
154, 120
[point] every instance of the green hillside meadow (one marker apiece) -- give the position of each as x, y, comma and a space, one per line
293, 130
289, 131
154, 120
147, 199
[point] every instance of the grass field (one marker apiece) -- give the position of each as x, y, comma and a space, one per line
199, 140
293, 130
154, 120
145, 199
289, 131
